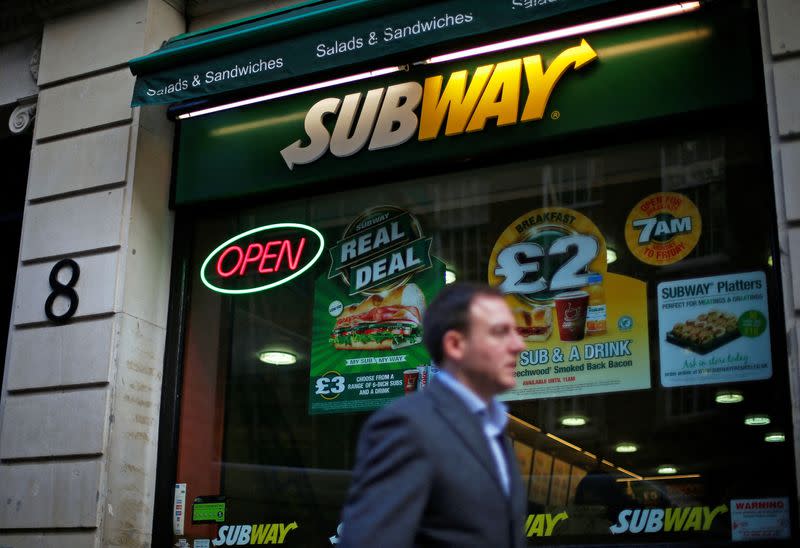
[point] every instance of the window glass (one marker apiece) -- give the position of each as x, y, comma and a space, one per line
260, 444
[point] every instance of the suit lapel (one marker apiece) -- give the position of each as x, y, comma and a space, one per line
465, 425
516, 487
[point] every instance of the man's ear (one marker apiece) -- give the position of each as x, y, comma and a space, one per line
453, 344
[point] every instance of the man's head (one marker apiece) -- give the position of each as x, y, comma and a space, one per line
470, 331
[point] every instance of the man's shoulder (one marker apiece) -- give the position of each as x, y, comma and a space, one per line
417, 408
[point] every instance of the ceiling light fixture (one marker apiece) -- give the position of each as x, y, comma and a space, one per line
775, 437
729, 396
757, 420
626, 447
667, 469
274, 357
573, 420
611, 255
449, 276
576, 30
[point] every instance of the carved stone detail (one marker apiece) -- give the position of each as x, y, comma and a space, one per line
22, 117
33, 63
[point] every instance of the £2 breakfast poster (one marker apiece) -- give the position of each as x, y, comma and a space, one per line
585, 328
366, 340
714, 329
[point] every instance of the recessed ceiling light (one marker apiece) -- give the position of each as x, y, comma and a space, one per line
775, 437
667, 469
757, 420
729, 396
573, 420
273, 357
626, 447
611, 255
449, 276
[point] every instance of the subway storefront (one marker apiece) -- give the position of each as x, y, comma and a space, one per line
605, 164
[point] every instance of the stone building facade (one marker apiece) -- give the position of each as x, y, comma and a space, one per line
79, 408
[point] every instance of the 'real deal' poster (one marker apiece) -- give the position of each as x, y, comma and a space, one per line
585, 328
714, 329
366, 341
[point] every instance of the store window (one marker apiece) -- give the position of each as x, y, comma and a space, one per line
652, 398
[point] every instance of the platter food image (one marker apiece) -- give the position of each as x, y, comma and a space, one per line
706, 332
384, 321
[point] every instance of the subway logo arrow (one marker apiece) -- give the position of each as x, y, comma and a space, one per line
387, 116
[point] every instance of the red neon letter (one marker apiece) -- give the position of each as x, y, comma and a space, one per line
231, 272
268, 255
293, 262
250, 258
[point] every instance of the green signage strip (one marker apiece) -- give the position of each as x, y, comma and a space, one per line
247, 54
208, 512
480, 106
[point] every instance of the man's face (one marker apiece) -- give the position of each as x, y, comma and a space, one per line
488, 356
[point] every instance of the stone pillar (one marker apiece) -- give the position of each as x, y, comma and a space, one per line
80, 400
779, 20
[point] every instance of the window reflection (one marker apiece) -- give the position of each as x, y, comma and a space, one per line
246, 433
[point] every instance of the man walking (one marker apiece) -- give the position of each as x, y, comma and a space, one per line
434, 469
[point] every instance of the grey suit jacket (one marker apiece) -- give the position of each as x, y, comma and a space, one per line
425, 476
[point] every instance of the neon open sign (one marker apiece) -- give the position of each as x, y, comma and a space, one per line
262, 258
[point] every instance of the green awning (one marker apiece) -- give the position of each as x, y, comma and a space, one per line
319, 35
654, 70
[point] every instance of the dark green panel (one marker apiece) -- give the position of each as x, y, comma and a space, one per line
269, 49
684, 64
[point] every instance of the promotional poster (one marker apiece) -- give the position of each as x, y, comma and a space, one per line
663, 228
366, 347
714, 329
585, 328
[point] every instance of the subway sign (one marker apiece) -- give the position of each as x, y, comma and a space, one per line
262, 258
387, 116
501, 106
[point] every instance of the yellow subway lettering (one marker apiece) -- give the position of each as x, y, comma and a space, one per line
456, 103
500, 99
541, 83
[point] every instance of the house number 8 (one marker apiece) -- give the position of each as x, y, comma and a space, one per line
63, 290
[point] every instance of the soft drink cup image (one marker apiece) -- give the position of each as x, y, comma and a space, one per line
571, 314
410, 379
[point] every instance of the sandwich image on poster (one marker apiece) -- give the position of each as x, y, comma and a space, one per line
534, 323
714, 329
585, 328
366, 341
381, 321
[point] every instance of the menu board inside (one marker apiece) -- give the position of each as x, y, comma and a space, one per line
646, 305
